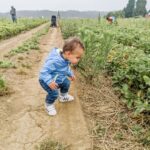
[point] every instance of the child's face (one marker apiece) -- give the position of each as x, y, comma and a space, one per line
75, 55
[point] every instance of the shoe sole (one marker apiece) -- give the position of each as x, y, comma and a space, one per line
62, 101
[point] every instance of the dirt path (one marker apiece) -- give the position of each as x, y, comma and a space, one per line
7, 45
23, 119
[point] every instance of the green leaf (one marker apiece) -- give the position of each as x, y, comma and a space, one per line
147, 80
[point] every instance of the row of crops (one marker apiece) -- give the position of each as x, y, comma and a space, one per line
9, 29
13, 59
123, 50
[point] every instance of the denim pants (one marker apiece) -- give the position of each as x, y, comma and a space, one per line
52, 95
14, 18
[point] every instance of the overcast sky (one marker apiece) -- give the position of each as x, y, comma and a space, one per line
100, 5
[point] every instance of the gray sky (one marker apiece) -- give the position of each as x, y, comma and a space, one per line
100, 5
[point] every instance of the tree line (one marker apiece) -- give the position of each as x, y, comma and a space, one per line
134, 8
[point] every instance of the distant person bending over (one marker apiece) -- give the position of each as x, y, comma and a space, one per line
56, 73
13, 14
53, 21
111, 19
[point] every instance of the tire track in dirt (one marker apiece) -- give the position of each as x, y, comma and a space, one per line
14, 42
26, 123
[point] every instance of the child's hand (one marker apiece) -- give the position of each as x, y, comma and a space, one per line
72, 78
53, 85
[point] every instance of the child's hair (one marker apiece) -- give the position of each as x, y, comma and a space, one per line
71, 43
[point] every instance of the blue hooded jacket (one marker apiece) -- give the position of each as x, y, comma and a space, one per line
56, 68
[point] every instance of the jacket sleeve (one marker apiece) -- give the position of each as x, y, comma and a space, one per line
70, 72
46, 72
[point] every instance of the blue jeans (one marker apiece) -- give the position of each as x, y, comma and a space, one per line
14, 18
53, 94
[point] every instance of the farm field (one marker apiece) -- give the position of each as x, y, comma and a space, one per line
9, 29
117, 56
112, 91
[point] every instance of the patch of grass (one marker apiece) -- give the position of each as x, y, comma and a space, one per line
118, 136
51, 145
3, 88
7, 64
142, 135
145, 139
98, 130
137, 130
31, 44
2, 83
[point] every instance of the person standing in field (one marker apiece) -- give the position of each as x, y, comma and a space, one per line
13, 14
56, 74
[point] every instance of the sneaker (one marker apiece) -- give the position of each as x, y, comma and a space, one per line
65, 98
51, 109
